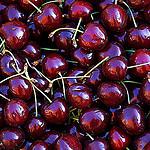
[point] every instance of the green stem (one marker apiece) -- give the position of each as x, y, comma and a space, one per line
49, 49
5, 97
130, 51
134, 82
138, 65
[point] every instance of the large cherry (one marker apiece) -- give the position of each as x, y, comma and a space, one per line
49, 19
131, 119
114, 17
15, 34
111, 94
94, 37
147, 13
94, 120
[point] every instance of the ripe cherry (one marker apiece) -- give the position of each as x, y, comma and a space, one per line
102, 4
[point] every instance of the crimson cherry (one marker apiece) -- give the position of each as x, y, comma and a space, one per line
102, 4
94, 120
68, 3
147, 13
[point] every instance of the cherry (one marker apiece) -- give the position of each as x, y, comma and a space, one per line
111, 49
114, 17
20, 88
27, 6
56, 112
67, 141
53, 64
138, 37
3, 5
84, 58
79, 95
26, 145
102, 4
58, 93
12, 138
94, 120
134, 123
97, 144
140, 56
118, 139
111, 94
147, 146
147, 13
49, 18
14, 13
115, 68
94, 37
68, 3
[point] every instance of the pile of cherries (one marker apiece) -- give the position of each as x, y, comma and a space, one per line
75, 75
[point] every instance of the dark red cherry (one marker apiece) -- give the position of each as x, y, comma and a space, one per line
140, 56
68, 3
27, 6
50, 137
12, 138
97, 144
84, 58
15, 34
20, 88
147, 13
114, 17
53, 64
142, 140
3, 5
80, 9
94, 37
118, 139
103, 3
26, 145
67, 141
58, 93
15, 112
147, 146
79, 95
14, 13
30, 50
56, 112
138, 37
115, 68
35, 127
131, 119
50, 18
40, 145
6, 63
111, 49
2, 122
144, 91
94, 120
111, 94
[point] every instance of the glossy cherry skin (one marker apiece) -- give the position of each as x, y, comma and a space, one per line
79, 95
147, 13
56, 112
67, 141
58, 93
6, 62
50, 18
103, 3
131, 119
118, 139
115, 68
142, 140
30, 50
26, 145
80, 9
144, 91
111, 94
114, 17
97, 144
12, 138
94, 120
140, 56
14, 13
35, 127
138, 37
94, 37
84, 58
67, 3
27, 6
111, 49
40, 145
20, 88
3, 5
15, 112
53, 64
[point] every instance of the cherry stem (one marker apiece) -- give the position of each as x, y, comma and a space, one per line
72, 61
73, 110
127, 148
130, 13
95, 99
90, 136
49, 49
147, 115
3, 41
74, 36
52, 33
96, 66
93, 14
75, 119
5, 97
138, 65
34, 6
130, 51
128, 97
115, 2
134, 82
79, 112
